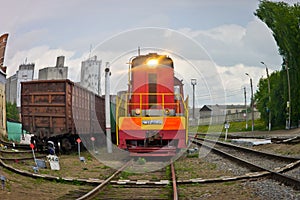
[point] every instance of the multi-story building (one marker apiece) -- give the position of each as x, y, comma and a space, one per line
25, 73
13, 84
53, 73
91, 75
11, 89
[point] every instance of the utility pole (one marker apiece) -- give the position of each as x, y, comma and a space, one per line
269, 91
107, 108
252, 102
289, 102
193, 82
246, 109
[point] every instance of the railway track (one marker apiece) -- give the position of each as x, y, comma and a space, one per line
273, 138
18, 155
267, 160
14, 145
156, 184
276, 173
140, 186
136, 183
93, 193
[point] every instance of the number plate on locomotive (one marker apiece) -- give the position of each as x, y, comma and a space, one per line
152, 122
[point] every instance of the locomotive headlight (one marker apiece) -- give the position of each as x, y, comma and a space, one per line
152, 62
167, 111
137, 111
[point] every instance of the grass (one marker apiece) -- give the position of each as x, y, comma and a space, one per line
39, 181
229, 183
168, 170
193, 155
141, 161
125, 174
102, 167
259, 125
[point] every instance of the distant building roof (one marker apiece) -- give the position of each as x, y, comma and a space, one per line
221, 107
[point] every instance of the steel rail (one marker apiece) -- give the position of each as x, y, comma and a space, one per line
21, 158
15, 152
285, 179
174, 183
91, 194
281, 157
15, 145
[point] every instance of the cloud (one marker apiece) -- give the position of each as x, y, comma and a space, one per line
234, 50
227, 34
32, 11
156, 20
43, 57
260, 44
232, 44
28, 39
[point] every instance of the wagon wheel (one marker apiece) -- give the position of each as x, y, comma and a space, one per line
66, 144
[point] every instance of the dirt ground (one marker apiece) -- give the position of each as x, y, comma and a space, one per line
19, 187
71, 166
194, 167
216, 191
283, 149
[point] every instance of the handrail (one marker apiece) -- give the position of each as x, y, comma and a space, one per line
124, 102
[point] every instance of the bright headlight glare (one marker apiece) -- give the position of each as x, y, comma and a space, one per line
137, 111
167, 111
152, 62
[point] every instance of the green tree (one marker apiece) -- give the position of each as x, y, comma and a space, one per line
277, 108
12, 111
284, 21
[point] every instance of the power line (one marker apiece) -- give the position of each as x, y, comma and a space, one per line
228, 93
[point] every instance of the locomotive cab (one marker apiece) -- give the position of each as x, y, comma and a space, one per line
152, 116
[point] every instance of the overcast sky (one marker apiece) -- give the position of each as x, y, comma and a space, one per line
233, 39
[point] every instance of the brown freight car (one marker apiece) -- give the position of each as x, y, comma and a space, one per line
59, 110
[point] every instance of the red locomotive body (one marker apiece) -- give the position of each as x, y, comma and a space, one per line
152, 116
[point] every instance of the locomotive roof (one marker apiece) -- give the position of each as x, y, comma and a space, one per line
142, 59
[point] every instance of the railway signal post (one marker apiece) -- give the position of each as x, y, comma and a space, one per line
107, 109
93, 144
80, 158
32, 148
227, 125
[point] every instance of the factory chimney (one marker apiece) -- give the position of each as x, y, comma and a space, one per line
60, 61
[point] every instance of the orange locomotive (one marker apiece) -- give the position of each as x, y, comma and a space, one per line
152, 117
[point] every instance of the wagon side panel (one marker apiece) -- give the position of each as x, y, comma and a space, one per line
46, 108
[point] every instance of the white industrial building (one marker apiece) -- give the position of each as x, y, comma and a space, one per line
13, 84
11, 89
54, 73
91, 74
